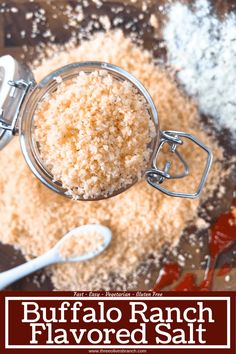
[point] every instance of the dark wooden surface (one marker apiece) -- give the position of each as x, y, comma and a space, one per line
11, 42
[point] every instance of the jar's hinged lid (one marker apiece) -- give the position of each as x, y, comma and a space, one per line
15, 82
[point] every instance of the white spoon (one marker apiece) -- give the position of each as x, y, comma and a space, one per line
54, 256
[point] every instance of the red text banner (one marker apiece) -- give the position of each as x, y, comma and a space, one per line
118, 322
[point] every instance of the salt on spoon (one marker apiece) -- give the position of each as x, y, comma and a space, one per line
70, 248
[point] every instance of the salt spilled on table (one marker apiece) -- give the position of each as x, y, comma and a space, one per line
142, 221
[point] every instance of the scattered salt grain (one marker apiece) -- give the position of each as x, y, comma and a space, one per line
29, 15
14, 10
98, 3
201, 224
105, 21
153, 21
181, 260
117, 21
22, 34
144, 6
47, 34
58, 79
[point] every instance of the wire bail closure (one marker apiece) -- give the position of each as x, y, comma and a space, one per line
155, 177
16, 80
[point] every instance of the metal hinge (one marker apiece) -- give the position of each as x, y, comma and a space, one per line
11, 125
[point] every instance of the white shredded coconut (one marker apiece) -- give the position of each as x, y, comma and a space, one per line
203, 51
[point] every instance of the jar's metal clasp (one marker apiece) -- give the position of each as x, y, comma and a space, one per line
16, 80
11, 124
155, 176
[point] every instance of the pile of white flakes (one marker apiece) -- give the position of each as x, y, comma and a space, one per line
202, 49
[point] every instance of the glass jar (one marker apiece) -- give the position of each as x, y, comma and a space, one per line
19, 97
